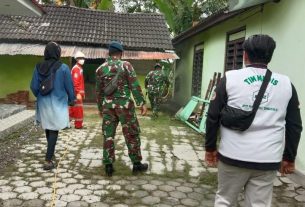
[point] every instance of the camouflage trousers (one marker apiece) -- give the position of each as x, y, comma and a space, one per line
155, 101
131, 131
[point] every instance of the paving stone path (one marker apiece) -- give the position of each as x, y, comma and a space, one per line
177, 175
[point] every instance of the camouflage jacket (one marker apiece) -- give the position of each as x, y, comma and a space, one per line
155, 82
127, 84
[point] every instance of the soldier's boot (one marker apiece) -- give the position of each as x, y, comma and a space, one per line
139, 167
109, 170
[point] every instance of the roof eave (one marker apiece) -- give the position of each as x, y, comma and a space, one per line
98, 45
90, 52
21, 8
206, 24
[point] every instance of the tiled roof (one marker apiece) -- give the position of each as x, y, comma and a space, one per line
77, 26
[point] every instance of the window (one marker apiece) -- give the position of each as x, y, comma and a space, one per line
234, 49
197, 70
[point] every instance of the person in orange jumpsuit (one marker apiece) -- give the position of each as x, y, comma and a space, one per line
76, 112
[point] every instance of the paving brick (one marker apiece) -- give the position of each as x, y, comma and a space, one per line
70, 197
83, 192
150, 200
34, 203
91, 198
149, 187
122, 193
23, 189
177, 194
19, 183
28, 196
94, 187
184, 189
159, 193
12, 202
7, 195
5, 188
131, 187
37, 184
113, 187
139, 194
166, 188
189, 202
99, 204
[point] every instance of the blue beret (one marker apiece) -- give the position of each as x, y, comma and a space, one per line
117, 45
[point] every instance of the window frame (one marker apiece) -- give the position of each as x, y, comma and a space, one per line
196, 50
228, 34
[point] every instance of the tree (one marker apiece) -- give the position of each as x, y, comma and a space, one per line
131, 6
213, 6
181, 14
105, 5
77, 3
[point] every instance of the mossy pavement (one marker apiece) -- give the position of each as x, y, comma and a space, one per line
177, 174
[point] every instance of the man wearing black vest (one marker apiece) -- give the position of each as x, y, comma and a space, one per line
250, 159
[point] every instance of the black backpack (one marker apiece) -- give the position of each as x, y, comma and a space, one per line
47, 82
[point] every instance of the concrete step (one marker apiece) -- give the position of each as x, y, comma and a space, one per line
15, 122
7, 110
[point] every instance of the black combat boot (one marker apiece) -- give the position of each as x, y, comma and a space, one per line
139, 167
109, 170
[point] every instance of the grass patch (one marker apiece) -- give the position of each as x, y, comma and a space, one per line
208, 179
97, 141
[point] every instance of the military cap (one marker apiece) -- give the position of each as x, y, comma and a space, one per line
117, 45
158, 65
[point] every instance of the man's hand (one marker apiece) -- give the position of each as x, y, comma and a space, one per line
143, 110
79, 97
287, 168
211, 158
100, 114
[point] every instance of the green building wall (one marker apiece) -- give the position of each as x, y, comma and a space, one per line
283, 21
16, 73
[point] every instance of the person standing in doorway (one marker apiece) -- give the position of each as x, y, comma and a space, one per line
116, 105
250, 159
53, 87
76, 112
155, 83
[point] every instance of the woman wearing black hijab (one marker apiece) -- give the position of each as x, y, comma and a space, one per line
53, 87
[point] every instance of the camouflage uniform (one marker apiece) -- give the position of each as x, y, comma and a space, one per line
119, 107
155, 82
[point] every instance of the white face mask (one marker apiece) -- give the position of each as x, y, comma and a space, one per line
81, 62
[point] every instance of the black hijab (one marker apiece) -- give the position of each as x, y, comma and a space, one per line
51, 61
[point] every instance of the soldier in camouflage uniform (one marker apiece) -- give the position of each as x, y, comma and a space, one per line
119, 107
155, 82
